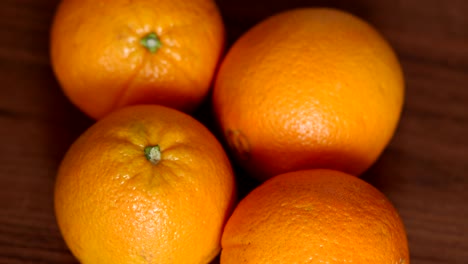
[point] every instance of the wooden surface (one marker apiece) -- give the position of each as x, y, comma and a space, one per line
424, 171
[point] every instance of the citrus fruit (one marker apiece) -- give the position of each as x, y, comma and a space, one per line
146, 184
109, 54
308, 88
315, 216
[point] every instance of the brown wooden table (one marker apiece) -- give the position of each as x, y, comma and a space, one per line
424, 171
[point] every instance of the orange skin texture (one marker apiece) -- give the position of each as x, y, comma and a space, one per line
315, 216
308, 88
101, 65
114, 206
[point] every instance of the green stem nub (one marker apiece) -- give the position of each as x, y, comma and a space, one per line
153, 154
151, 42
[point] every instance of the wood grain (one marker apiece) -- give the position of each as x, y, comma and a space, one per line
424, 171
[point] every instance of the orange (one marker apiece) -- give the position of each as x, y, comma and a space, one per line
109, 54
315, 216
309, 88
146, 184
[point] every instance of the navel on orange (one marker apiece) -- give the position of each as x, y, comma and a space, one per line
146, 184
309, 88
315, 216
109, 54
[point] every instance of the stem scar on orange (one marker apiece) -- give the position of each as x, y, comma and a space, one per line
109, 54
151, 42
145, 184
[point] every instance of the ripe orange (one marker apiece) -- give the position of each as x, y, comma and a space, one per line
309, 88
315, 216
146, 184
109, 54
